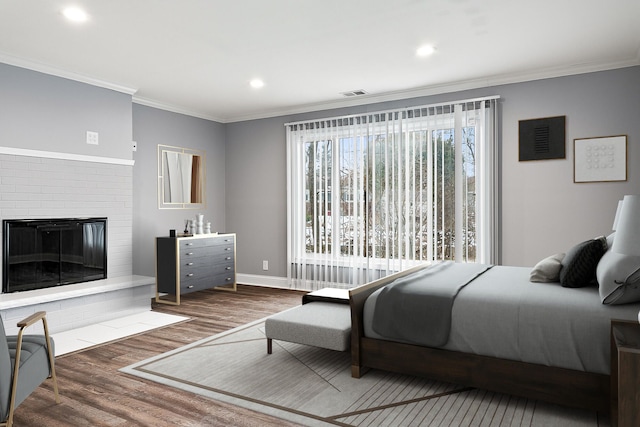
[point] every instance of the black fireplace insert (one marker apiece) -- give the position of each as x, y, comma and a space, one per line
42, 253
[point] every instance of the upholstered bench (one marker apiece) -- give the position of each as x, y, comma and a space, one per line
320, 324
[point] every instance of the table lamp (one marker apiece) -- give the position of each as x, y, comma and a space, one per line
619, 269
617, 218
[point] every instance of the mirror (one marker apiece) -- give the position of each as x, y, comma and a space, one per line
181, 178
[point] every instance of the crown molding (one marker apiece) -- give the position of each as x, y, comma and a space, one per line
430, 90
175, 109
53, 71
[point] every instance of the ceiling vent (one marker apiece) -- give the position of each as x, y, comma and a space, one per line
358, 92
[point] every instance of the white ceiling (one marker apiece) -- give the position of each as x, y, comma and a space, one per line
198, 56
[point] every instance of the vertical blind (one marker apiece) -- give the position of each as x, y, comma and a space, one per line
372, 194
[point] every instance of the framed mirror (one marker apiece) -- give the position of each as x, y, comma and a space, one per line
181, 178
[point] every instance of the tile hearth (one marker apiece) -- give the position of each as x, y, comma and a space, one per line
89, 336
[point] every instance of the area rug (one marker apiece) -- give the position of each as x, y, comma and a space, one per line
314, 387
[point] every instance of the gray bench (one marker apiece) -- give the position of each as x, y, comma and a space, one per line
320, 324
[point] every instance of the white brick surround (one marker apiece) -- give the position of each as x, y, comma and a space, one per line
36, 187
80, 304
42, 185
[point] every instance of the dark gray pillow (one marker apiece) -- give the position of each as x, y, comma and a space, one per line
580, 263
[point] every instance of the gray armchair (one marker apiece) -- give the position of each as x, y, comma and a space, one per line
34, 354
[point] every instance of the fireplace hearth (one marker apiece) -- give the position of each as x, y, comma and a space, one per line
42, 253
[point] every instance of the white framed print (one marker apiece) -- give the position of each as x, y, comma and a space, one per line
600, 159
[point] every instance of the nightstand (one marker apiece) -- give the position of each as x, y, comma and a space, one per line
625, 373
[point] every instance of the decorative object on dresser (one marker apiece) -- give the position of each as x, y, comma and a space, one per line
189, 264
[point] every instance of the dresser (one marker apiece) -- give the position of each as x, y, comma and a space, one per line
189, 264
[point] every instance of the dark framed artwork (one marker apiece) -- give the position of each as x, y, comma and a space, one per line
542, 139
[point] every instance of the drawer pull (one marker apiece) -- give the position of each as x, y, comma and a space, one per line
189, 263
189, 253
228, 258
189, 244
190, 286
190, 275
228, 279
227, 249
228, 268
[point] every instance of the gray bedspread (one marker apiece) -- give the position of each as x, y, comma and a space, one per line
417, 308
502, 314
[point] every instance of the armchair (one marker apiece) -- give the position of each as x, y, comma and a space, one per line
25, 362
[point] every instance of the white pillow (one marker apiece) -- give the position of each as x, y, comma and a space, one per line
618, 278
547, 270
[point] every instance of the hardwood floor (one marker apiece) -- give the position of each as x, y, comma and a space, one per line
94, 393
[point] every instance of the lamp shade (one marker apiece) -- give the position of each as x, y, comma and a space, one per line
617, 218
627, 241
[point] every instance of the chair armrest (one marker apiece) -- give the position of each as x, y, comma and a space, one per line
32, 319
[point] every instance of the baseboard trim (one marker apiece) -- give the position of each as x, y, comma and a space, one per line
259, 280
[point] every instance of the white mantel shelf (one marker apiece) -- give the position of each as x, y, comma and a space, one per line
57, 293
64, 156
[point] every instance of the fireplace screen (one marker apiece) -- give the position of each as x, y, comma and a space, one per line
44, 253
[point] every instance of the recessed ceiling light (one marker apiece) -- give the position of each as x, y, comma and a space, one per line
75, 14
425, 50
256, 83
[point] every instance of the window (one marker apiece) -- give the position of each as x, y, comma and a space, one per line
370, 195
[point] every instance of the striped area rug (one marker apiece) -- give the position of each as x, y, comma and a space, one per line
313, 386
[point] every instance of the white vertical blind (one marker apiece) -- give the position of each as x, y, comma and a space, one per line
372, 194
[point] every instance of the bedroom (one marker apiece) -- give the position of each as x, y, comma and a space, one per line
543, 211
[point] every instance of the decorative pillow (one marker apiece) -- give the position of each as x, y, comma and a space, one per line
580, 263
619, 278
547, 270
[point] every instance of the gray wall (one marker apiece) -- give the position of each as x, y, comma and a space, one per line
150, 128
256, 201
543, 211
48, 113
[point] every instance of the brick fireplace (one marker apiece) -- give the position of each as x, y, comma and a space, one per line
35, 184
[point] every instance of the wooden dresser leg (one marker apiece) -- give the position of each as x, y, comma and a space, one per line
269, 346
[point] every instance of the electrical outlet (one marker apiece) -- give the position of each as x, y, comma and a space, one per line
265, 265
92, 138
134, 146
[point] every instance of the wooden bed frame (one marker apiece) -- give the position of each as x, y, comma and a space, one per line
555, 385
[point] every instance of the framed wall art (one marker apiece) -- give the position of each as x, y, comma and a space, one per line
600, 159
541, 139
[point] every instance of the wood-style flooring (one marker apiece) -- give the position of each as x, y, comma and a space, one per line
94, 393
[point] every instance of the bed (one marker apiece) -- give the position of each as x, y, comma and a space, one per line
507, 334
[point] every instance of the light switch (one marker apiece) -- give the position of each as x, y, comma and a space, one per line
92, 137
